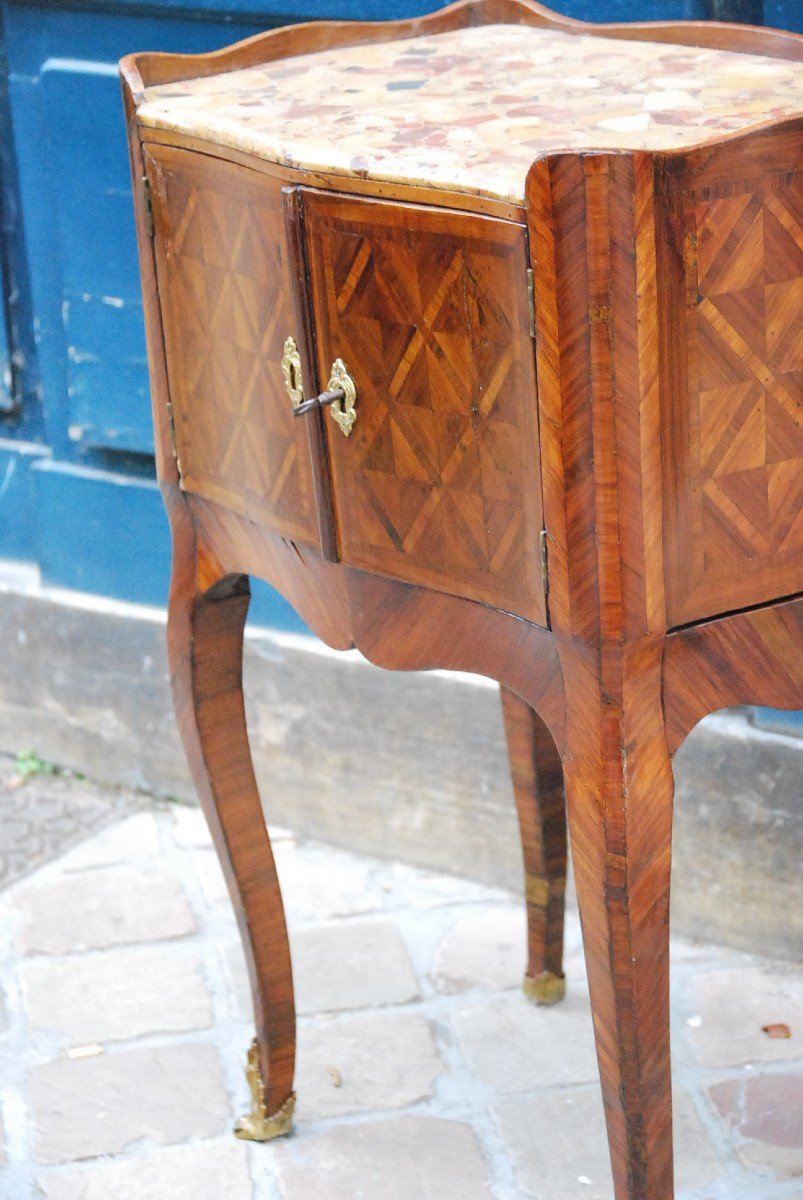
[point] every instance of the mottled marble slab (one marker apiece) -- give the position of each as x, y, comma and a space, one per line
471, 109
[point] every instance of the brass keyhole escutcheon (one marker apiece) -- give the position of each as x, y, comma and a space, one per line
340, 394
344, 411
291, 369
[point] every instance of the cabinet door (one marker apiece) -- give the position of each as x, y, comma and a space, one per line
439, 481
226, 287
731, 299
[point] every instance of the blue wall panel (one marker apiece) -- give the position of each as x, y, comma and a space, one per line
101, 312
75, 549
132, 564
779, 722
19, 529
784, 14
74, 186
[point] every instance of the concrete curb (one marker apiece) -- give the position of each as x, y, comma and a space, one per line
405, 766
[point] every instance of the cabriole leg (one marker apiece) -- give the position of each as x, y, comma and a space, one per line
537, 775
205, 645
619, 790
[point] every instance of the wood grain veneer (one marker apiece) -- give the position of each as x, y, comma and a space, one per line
439, 483
731, 276
224, 271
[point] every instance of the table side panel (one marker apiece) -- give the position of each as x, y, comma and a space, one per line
225, 290
730, 239
439, 482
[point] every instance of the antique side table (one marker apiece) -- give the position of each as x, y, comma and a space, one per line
480, 337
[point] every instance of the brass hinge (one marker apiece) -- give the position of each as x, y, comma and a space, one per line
171, 421
544, 564
147, 204
531, 300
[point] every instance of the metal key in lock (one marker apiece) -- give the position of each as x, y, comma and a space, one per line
340, 394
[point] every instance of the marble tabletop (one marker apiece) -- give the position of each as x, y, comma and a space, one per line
471, 109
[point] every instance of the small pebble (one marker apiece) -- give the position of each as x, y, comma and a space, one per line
85, 1051
778, 1030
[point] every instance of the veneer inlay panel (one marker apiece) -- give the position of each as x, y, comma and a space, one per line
440, 480
227, 307
733, 418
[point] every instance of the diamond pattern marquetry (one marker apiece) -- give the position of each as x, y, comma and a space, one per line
745, 281
226, 301
439, 481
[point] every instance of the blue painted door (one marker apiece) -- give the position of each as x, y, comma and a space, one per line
80, 499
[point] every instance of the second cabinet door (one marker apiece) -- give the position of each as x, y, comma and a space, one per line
439, 481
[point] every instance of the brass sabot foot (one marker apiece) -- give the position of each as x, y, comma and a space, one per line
546, 988
260, 1125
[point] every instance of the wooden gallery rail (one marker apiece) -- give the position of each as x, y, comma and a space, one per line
480, 337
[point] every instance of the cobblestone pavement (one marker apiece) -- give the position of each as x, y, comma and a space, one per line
424, 1073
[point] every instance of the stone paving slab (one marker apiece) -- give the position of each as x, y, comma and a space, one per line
209, 1171
116, 996
340, 968
87, 1107
414, 1156
764, 1116
93, 910
423, 1074
735, 1006
362, 964
554, 1163
365, 1064
128, 840
512, 1046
